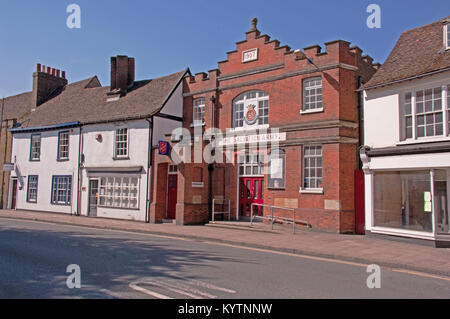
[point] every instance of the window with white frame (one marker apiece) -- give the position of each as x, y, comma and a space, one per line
423, 113
447, 36
312, 167
429, 112
277, 169
35, 149
63, 145
238, 115
312, 94
32, 189
448, 109
61, 190
263, 110
257, 101
119, 192
251, 165
121, 143
199, 110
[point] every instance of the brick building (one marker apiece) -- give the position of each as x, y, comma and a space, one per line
13, 110
290, 121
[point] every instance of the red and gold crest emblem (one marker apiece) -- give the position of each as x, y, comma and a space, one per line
251, 115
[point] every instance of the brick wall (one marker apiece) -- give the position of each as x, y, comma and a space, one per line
280, 72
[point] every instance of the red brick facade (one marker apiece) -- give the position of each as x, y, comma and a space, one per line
280, 73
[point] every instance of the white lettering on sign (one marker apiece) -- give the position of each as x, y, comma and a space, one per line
260, 138
250, 55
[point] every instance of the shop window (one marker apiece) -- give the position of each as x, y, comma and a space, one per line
277, 170
119, 192
403, 200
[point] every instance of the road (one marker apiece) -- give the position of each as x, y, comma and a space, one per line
34, 257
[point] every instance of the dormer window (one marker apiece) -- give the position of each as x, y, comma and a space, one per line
447, 36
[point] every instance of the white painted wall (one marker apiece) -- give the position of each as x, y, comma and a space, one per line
175, 104
100, 154
382, 129
382, 113
96, 154
45, 169
163, 126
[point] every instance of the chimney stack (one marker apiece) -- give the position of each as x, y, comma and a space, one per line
45, 81
122, 73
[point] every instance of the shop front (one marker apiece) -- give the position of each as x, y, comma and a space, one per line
411, 201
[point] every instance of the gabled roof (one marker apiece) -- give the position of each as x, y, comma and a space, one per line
16, 107
418, 52
86, 102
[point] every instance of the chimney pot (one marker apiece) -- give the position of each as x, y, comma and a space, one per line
122, 72
44, 85
63, 74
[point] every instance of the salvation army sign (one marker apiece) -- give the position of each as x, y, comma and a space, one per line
251, 116
252, 139
163, 148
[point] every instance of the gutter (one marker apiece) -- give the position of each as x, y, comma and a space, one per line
79, 186
404, 80
43, 128
149, 167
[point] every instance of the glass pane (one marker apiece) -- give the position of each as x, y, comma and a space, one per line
441, 201
403, 200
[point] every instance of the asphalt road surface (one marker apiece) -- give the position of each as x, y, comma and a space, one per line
34, 258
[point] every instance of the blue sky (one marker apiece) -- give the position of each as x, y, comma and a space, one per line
168, 36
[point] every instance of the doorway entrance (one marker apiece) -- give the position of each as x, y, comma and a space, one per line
93, 197
441, 204
251, 190
14, 194
172, 181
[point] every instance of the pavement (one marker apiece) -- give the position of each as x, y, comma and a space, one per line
410, 257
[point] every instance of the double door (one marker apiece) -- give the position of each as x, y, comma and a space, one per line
251, 190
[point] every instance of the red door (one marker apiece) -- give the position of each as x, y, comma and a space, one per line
14, 194
360, 219
171, 196
251, 190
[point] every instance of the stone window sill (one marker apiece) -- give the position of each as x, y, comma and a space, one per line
317, 191
312, 111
